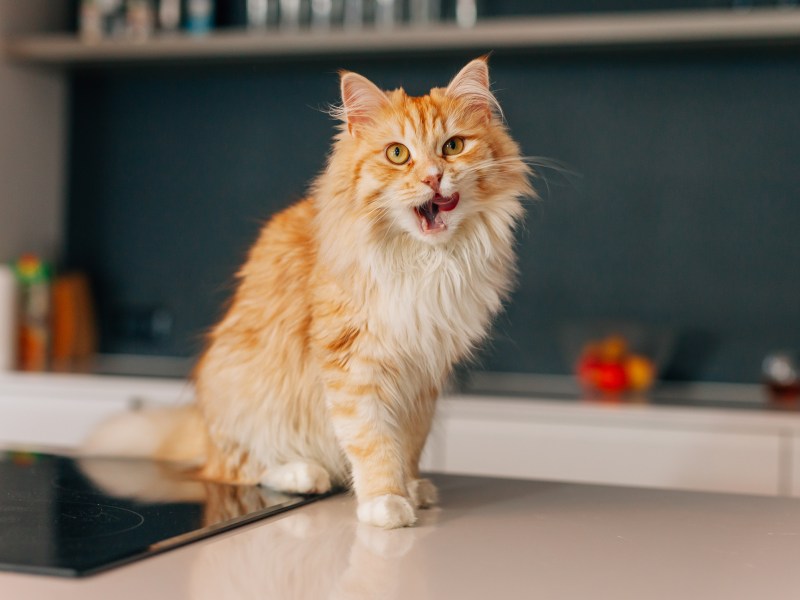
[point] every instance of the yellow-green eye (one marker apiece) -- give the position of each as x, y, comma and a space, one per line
453, 146
398, 154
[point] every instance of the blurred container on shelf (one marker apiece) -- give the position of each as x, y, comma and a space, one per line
466, 13
353, 17
292, 14
425, 12
169, 15
326, 14
140, 19
613, 357
388, 13
9, 293
99, 19
262, 14
200, 16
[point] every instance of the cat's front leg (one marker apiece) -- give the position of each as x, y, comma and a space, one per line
369, 435
422, 491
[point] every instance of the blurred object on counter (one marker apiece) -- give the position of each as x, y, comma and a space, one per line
141, 19
34, 277
782, 378
74, 338
9, 292
615, 358
200, 16
169, 15
608, 366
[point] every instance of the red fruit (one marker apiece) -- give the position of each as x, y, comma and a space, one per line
586, 370
611, 377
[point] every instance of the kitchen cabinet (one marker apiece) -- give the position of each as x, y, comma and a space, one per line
703, 449
60, 410
515, 440
794, 464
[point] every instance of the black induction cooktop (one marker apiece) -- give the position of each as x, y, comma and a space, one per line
75, 517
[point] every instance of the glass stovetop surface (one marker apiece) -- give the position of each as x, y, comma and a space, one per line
74, 517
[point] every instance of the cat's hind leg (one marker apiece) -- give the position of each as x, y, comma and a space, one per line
423, 493
298, 477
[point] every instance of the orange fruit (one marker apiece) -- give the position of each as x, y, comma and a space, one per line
641, 372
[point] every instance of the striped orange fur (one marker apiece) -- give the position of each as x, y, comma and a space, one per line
353, 306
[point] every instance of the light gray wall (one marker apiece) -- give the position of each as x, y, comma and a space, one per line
32, 138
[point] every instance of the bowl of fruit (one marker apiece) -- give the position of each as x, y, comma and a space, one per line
617, 358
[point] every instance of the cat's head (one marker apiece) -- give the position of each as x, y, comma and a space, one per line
424, 166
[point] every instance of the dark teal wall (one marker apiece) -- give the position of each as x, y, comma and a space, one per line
684, 211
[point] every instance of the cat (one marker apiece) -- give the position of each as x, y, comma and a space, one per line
355, 303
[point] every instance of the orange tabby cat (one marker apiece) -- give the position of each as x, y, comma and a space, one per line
355, 303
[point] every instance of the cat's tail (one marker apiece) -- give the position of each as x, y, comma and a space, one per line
172, 434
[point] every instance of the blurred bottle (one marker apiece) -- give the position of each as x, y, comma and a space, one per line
292, 14
8, 318
466, 13
98, 19
199, 16
141, 19
34, 277
388, 13
353, 14
425, 12
169, 15
321, 14
73, 330
262, 13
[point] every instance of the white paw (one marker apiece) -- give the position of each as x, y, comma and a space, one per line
423, 493
387, 511
298, 478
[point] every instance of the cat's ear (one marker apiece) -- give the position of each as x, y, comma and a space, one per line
472, 86
361, 101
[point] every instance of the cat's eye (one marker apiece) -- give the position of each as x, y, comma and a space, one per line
398, 154
453, 146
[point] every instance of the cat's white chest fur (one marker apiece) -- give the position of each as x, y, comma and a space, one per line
436, 303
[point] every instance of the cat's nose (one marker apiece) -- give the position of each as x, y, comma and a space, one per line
433, 181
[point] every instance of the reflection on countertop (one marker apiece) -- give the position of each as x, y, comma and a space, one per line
492, 538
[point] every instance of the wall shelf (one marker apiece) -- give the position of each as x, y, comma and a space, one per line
767, 26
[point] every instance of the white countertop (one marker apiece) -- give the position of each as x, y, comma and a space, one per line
491, 538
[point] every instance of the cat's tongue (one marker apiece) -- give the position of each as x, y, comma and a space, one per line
446, 203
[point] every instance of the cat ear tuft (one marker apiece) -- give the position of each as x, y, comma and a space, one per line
472, 85
361, 100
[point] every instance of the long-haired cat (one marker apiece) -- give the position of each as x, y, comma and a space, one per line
355, 303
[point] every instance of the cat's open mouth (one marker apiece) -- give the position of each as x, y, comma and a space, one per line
430, 213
